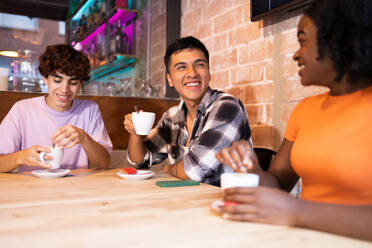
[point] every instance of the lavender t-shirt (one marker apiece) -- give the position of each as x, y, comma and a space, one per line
31, 122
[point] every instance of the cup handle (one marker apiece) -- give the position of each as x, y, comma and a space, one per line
41, 157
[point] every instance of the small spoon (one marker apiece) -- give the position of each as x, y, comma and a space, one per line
136, 108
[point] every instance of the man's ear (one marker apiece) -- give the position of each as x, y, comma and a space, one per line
170, 82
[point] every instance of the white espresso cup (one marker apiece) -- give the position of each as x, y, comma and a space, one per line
143, 122
56, 153
233, 180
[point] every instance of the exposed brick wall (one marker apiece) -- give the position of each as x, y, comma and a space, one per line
251, 60
158, 42
12, 39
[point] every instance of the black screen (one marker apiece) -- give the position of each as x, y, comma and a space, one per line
259, 7
263, 8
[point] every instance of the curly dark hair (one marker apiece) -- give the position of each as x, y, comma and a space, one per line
181, 44
345, 35
64, 59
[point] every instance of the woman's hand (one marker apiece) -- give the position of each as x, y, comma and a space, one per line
68, 136
260, 204
240, 157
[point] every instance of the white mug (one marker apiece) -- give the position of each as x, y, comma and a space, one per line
232, 180
56, 153
143, 122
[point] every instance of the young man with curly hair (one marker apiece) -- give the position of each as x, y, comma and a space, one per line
58, 119
328, 139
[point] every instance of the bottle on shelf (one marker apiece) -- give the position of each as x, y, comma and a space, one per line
112, 42
74, 28
96, 10
102, 11
90, 18
126, 44
93, 52
119, 39
101, 47
83, 25
121, 4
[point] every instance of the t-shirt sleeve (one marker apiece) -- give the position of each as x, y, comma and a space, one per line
10, 132
293, 122
98, 131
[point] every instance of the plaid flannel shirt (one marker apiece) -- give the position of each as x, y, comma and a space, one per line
220, 119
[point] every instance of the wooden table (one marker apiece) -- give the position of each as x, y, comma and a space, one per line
99, 209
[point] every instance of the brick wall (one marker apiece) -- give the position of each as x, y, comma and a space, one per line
251, 60
12, 39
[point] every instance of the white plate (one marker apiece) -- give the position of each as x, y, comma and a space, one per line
53, 173
140, 175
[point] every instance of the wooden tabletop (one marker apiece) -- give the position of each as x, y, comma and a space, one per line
100, 209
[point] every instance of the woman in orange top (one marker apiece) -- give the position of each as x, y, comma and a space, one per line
328, 140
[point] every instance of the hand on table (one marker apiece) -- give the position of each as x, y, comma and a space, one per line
240, 156
260, 204
68, 136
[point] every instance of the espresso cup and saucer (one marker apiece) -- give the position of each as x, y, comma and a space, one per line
54, 171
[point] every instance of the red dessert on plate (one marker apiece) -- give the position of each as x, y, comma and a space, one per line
129, 170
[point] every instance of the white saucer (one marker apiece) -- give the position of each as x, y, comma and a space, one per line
140, 175
53, 173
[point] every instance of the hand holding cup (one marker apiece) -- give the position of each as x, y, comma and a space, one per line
56, 153
231, 182
139, 123
143, 122
31, 156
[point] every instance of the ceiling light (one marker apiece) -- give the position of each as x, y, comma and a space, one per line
13, 54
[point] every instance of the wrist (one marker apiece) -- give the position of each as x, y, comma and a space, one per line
135, 138
86, 138
171, 170
18, 158
297, 212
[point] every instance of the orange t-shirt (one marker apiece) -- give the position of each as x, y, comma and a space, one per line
332, 147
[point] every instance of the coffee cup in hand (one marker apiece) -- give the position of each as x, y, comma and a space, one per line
233, 180
56, 153
143, 122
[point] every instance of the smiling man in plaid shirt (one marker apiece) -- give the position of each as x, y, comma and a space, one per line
204, 122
